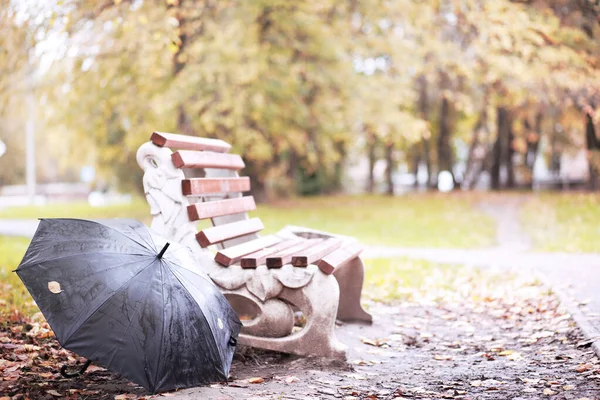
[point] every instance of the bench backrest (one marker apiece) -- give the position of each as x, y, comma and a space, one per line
213, 188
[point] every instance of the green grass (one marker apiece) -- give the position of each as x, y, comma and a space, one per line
568, 222
428, 220
13, 295
399, 279
137, 209
424, 282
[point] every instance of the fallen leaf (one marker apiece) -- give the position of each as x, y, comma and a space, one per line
583, 367
530, 390
54, 287
375, 342
442, 357
291, 379
256, 380
506, 352
125, 396
532, 381
475, 383
94, 368
549, 392
569, 387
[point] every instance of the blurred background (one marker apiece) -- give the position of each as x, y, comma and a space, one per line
318, 96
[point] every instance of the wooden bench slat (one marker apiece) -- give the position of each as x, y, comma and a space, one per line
330, 262
235, 253
278, 260
317, 252
255, 259
218, 208
173, 140
220, 233
206, 159
198, 186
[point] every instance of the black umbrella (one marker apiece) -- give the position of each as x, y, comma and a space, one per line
113, 293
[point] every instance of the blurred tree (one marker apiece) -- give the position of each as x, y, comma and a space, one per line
294, 85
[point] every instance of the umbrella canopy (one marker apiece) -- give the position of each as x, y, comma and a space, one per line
112, 294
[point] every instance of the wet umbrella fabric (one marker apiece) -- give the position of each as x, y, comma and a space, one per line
108, 297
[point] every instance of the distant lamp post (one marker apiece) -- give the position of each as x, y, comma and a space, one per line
30, 147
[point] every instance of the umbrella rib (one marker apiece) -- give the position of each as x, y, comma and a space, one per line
107, 299
212, 335
54, 242
162, 333
20, 267
111, 228
151, 244
200, 275
50, 294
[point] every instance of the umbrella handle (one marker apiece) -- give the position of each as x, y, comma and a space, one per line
63, 370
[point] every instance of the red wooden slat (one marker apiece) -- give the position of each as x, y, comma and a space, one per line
278, 260
215, 185
253, 260
206, 159
220, 233
173, 140
233, 254
316, 253
330, 262
219, 208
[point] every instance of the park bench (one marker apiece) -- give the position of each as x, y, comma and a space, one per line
267, 279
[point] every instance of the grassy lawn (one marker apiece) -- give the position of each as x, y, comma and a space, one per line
137, 209
428, 220
13, 295
424, 282
568, 222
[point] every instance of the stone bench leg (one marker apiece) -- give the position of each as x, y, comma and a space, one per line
350, 277
318, 301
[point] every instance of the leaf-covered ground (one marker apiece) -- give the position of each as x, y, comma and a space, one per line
455, 333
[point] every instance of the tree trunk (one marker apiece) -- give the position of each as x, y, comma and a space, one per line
500, 151
443, 146
593, 145
474, 167
510, 151
389, 170
371, 154
415, 156
423, 107
533, 144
